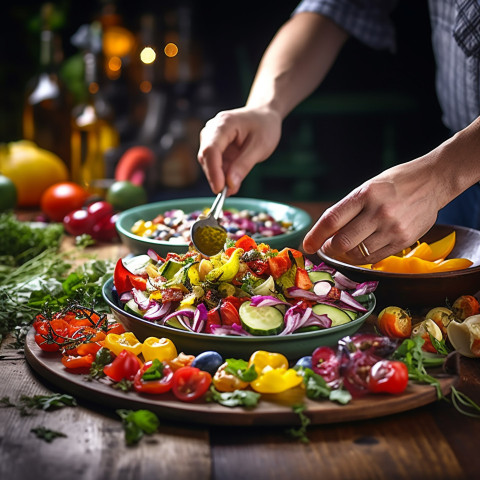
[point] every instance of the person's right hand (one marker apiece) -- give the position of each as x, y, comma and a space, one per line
234, 141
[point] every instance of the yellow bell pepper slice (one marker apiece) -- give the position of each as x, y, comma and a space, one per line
264, 361
125, 341
453, 264
276, 380
162, 349
395, 264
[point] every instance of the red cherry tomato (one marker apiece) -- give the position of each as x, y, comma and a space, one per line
104, 230
99, 210
326, 364
125, 365
156, 386
51, 334
78, 222
213, 318
190, 383
229, 314
387, 376
62, 198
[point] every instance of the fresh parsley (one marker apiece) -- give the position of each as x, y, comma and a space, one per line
237, 398
240, 369
46, 434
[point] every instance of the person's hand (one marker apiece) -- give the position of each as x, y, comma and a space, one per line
234, 141
387, 213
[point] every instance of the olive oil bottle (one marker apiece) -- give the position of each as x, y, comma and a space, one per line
93, 134
47, 106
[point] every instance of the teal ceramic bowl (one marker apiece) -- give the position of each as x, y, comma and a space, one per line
300, 219
293, 346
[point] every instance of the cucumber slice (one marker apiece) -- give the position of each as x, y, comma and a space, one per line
132, 307
320, 277
336, 315
261, 320
353, 315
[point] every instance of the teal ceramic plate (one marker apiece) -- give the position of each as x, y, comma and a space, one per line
293, 346
300, 219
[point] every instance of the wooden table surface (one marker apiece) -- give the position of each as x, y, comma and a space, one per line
431, 442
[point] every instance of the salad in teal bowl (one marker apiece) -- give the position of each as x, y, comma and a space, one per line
165, 226
249, 297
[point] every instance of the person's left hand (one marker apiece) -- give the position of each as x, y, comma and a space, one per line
386, 214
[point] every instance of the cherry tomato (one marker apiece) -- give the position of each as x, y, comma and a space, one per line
105, 230
124, 366
99, 210
465, 306
213, 318
156, 386
229, 314
326, 364
62, 198
78, 222
51, 334
190, 383
395, 322
388, 376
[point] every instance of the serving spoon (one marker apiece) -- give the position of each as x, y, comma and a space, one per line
207, 235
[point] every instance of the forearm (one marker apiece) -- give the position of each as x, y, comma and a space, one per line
457, 162
296, 62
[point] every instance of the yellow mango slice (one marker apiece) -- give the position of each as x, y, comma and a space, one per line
442, 248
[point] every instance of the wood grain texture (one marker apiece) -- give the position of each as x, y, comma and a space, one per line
95, 445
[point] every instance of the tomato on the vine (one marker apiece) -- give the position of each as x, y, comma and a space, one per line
51, 334
154, 377
190, 383
388, 376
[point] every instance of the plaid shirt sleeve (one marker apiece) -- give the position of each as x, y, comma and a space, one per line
366, 20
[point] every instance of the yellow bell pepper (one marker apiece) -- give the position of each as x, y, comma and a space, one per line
228, 270
265, 361
125, 341
158, 348
226, 382
276, 380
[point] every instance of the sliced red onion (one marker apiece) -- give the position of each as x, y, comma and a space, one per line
364, 288
158, 313
180, 315
343, 282
153, 255
297, 317
323, 267
140, 299
296, 292
347, 299
199, 318
229, 330
266, 301
126, 296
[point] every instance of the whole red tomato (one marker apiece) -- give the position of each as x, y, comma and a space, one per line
62, 198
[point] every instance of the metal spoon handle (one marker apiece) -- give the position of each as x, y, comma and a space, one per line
218, 204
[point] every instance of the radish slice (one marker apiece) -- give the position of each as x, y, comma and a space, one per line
322, 288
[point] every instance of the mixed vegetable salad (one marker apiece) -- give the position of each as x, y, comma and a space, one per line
247, 289
174, 225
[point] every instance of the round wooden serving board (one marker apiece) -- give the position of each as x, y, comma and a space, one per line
271, 410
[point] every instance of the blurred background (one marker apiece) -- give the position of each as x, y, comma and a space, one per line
105, 76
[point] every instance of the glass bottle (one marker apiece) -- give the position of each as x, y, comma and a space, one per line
47, 106
92, 134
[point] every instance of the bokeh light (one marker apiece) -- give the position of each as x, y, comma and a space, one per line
148, 55
170, 50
